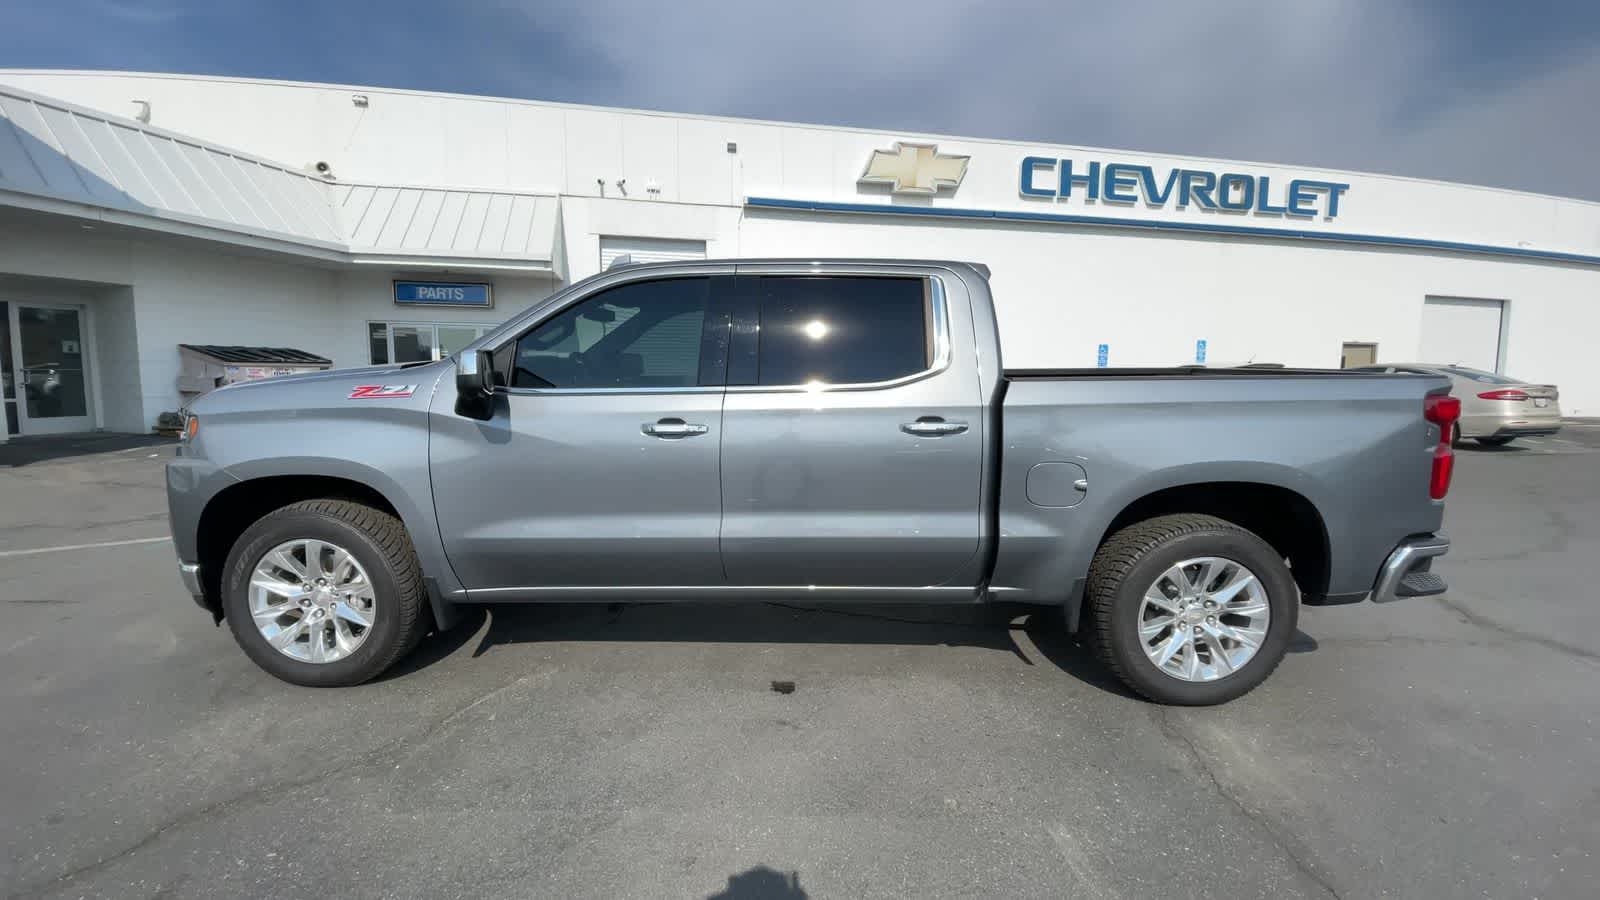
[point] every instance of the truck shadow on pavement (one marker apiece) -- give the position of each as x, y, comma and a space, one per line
1029, 634
762, 883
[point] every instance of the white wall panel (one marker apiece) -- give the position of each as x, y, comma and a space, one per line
594, 152
536, 149
118, 378
650, 156
476, 149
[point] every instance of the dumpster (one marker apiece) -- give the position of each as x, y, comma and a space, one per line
206, 367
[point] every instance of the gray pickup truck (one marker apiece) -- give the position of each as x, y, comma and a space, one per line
820, 430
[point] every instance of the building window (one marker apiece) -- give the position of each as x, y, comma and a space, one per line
409, 342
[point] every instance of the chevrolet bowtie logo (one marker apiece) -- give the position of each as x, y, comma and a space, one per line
914, 169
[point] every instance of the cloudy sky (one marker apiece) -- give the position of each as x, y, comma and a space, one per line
1503, 93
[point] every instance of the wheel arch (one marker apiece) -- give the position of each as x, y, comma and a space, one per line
233, 509
1283, 517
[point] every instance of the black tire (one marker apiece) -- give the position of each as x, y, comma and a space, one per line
1134, 558
1495, 441
379, 543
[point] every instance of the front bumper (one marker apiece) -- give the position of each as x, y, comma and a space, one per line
189, 574
1407, 571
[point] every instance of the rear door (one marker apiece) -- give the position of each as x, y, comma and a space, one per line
599, 466
851, 446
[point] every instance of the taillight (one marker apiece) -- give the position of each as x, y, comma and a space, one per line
1442, 410
1511, 394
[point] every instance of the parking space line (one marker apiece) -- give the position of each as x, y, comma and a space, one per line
64, 547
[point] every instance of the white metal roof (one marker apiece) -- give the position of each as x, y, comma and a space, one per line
417, 221
66, 158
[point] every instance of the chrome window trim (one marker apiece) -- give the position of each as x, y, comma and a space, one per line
941, 348
570, 392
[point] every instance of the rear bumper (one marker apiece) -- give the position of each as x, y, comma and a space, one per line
1511, 424
1527, 429
1406, 573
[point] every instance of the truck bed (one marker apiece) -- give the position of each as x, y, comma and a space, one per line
1351, 445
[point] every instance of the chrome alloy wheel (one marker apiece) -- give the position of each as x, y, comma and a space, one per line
312, 601
1203, 619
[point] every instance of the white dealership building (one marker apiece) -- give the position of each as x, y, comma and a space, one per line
142, 212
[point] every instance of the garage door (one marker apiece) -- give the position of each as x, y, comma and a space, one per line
648, 250
1462, 332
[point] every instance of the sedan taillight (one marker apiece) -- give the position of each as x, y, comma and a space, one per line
1508, 394
1442, 410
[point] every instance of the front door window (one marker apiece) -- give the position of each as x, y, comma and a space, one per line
643, 335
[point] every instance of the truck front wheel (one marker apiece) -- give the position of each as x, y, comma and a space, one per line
325, 593
1190, 609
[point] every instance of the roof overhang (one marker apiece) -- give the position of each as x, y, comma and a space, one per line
66, 160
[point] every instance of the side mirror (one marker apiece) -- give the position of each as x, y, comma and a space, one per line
475, 385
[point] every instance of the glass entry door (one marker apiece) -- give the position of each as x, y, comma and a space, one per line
8, 373
49, 375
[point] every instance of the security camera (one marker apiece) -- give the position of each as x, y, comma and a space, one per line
323, 169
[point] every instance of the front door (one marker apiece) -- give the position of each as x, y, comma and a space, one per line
851, 450
598, 469
48, 375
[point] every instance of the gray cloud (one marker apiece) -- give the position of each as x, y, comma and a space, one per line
1378, 86
1470, 90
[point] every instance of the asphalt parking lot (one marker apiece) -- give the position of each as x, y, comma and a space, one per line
1443, 747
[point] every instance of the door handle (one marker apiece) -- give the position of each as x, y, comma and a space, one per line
673, 428
933, 426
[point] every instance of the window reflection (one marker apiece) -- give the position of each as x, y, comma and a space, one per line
842, 330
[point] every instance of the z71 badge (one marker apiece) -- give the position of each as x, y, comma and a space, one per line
382, 391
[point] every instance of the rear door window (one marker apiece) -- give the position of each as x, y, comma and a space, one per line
842, 329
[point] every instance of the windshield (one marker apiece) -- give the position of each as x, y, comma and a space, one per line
1479, 375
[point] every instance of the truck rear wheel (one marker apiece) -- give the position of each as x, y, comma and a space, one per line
325, 593
1190, 609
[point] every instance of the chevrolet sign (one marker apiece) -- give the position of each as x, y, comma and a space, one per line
1047, 178
914, 169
